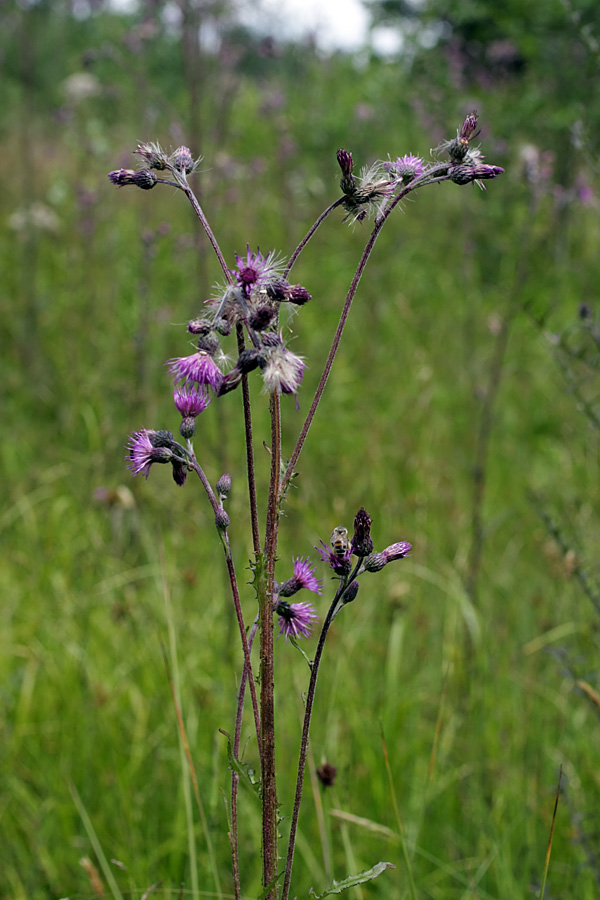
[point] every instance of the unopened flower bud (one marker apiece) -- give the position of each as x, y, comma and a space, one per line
375, 562
276, 289
468, 128
179, 473
144, 178
350, 593
326, 774
209, 343
248, 360
298, 295
362, 543
229, 382
182, 159
223, 486
187, 429
153, 154
222, 326
199, 326
261, 318
466, 174
162, 438
221, 519
347, 181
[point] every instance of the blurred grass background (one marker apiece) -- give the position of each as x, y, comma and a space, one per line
448, 416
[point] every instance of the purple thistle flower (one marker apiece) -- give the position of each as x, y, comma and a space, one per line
405, 168
340, 564
255, 269
143, 451
191, 401
303, 577
200, 367
296, 619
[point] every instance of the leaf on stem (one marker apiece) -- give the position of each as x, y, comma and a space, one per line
352, 880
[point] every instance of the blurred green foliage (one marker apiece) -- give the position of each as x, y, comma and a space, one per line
98, 286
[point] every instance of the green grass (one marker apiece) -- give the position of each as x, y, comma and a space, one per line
90, 758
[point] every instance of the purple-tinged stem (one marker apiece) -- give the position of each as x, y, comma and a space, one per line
209, 232
267, 687
235, 861
310, 698
379, 223
236, 596
309, 234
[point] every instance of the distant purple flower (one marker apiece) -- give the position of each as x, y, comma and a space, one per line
191, 401
200, 367
284, 370
296, 619
142, 452
304, 577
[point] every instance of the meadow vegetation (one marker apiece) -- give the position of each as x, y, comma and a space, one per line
455, 687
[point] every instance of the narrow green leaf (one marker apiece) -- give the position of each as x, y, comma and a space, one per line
244, 772
338, 886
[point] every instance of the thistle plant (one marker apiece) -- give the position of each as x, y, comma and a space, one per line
246, 312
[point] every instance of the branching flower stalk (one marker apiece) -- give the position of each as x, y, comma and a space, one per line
255, 291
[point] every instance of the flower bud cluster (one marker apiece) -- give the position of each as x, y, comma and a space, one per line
180, 164
466, 162
378, 184
340, 550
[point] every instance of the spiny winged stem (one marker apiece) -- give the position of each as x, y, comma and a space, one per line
267, 687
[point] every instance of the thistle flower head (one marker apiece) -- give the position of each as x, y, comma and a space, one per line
338, 561
153, 155
367, 193
405, 168
283, 370
146, 447
256, 269
199, 368
303, 577
191, 400
458, 147
296, 620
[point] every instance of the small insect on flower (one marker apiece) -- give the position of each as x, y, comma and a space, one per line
339, 541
